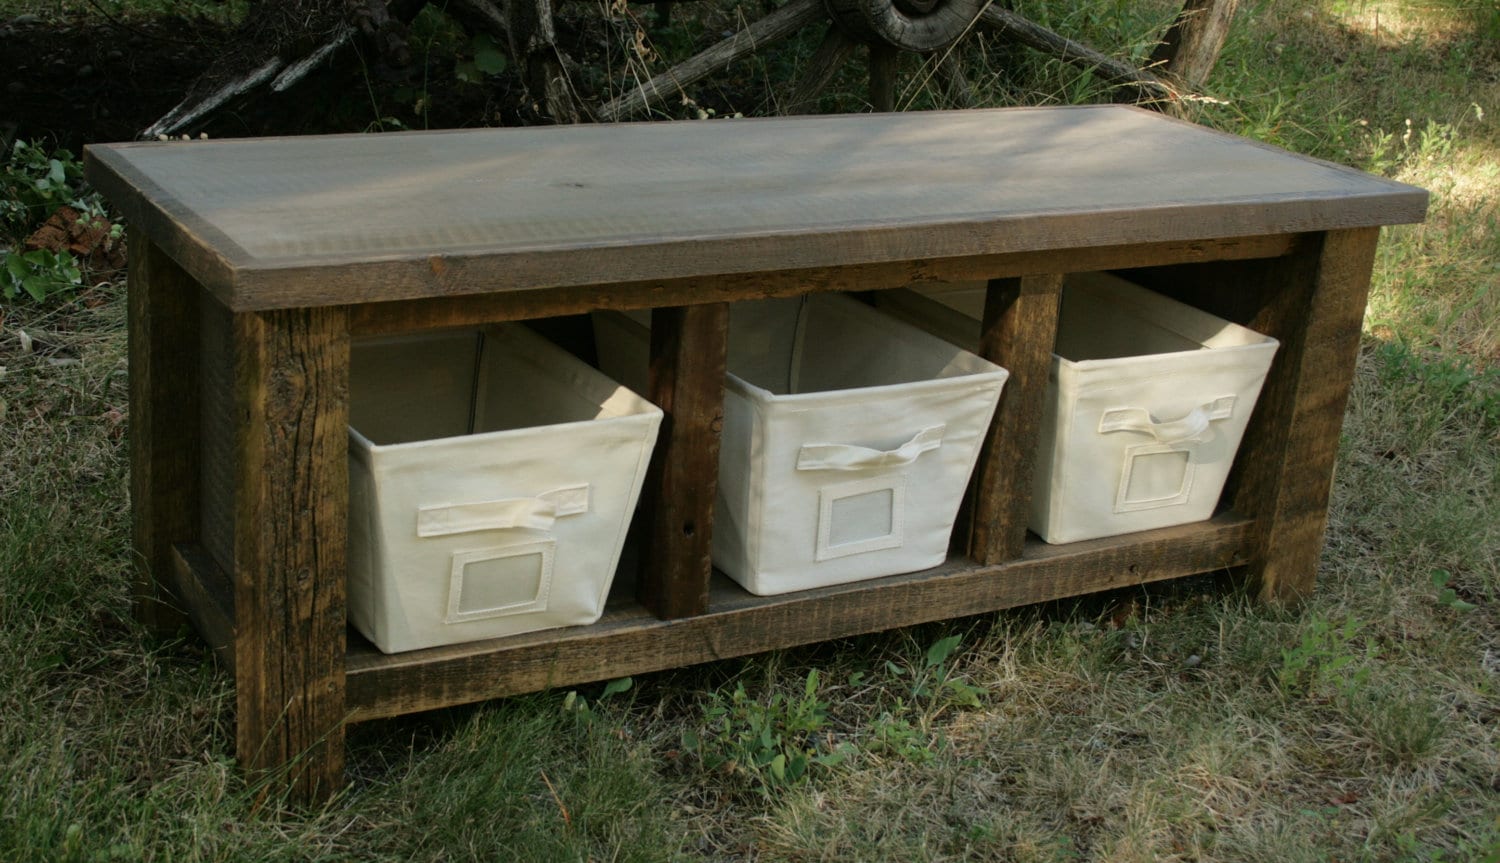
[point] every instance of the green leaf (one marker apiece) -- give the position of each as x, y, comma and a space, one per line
487, 56
1441, 577
778, 768
939, 653
615, 687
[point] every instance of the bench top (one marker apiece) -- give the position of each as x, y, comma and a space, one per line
321, 220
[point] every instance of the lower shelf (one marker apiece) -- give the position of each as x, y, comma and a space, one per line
628, 640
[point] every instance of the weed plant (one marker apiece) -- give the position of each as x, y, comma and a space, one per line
1183, 722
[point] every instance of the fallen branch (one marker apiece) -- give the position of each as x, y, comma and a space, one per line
772, 28
1147, 87
194, 108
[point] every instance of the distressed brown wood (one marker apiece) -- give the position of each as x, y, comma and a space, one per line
163, 362
338, 220
216, 423
630, 641
208, 597
441, 312
688, 349
289, 246
1017, 333
1289, 451
291, 511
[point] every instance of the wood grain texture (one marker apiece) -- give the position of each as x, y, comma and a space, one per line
1017, 334
630, 641
689, 345
291, 510
216, 423
208, 596
344, 219
163, 362
438, 313
1288, 454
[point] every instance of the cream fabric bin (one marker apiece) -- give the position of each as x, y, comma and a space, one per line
1147, 401
491, 479
848, 439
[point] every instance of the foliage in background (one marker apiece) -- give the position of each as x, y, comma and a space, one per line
34, 184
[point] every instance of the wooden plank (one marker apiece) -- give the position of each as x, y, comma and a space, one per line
689, 345
346, 219
216, 423
1017, 333
631, 641
206, 592
163, 363
291, 510
1288, 454
207, 254
441, 312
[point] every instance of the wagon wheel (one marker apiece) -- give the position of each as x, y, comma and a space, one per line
930, 28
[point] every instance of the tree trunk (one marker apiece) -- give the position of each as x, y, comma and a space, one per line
1191, 46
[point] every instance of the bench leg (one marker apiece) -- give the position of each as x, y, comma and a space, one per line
163, 303
688, 349
1018, 331
1287, 458
290, 512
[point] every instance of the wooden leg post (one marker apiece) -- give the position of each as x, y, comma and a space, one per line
1288, 453
291, 502
1019, 328
688, 349
164, 454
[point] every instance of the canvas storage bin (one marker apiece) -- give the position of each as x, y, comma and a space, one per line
492, 476
848, 439
1147, 400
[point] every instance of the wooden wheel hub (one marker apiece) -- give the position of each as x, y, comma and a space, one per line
922, 26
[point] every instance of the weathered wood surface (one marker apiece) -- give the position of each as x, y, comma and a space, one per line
1017, 333
1289, 450
345, 219
208, 597
290, 516
688, 349
440, 312
163, 364
1312, 301
629, 641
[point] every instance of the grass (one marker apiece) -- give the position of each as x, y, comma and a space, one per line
1178, 723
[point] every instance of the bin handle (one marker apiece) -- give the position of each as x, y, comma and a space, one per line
537, 513
843, 456
1182, 430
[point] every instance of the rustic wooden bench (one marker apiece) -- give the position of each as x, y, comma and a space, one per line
254, 262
